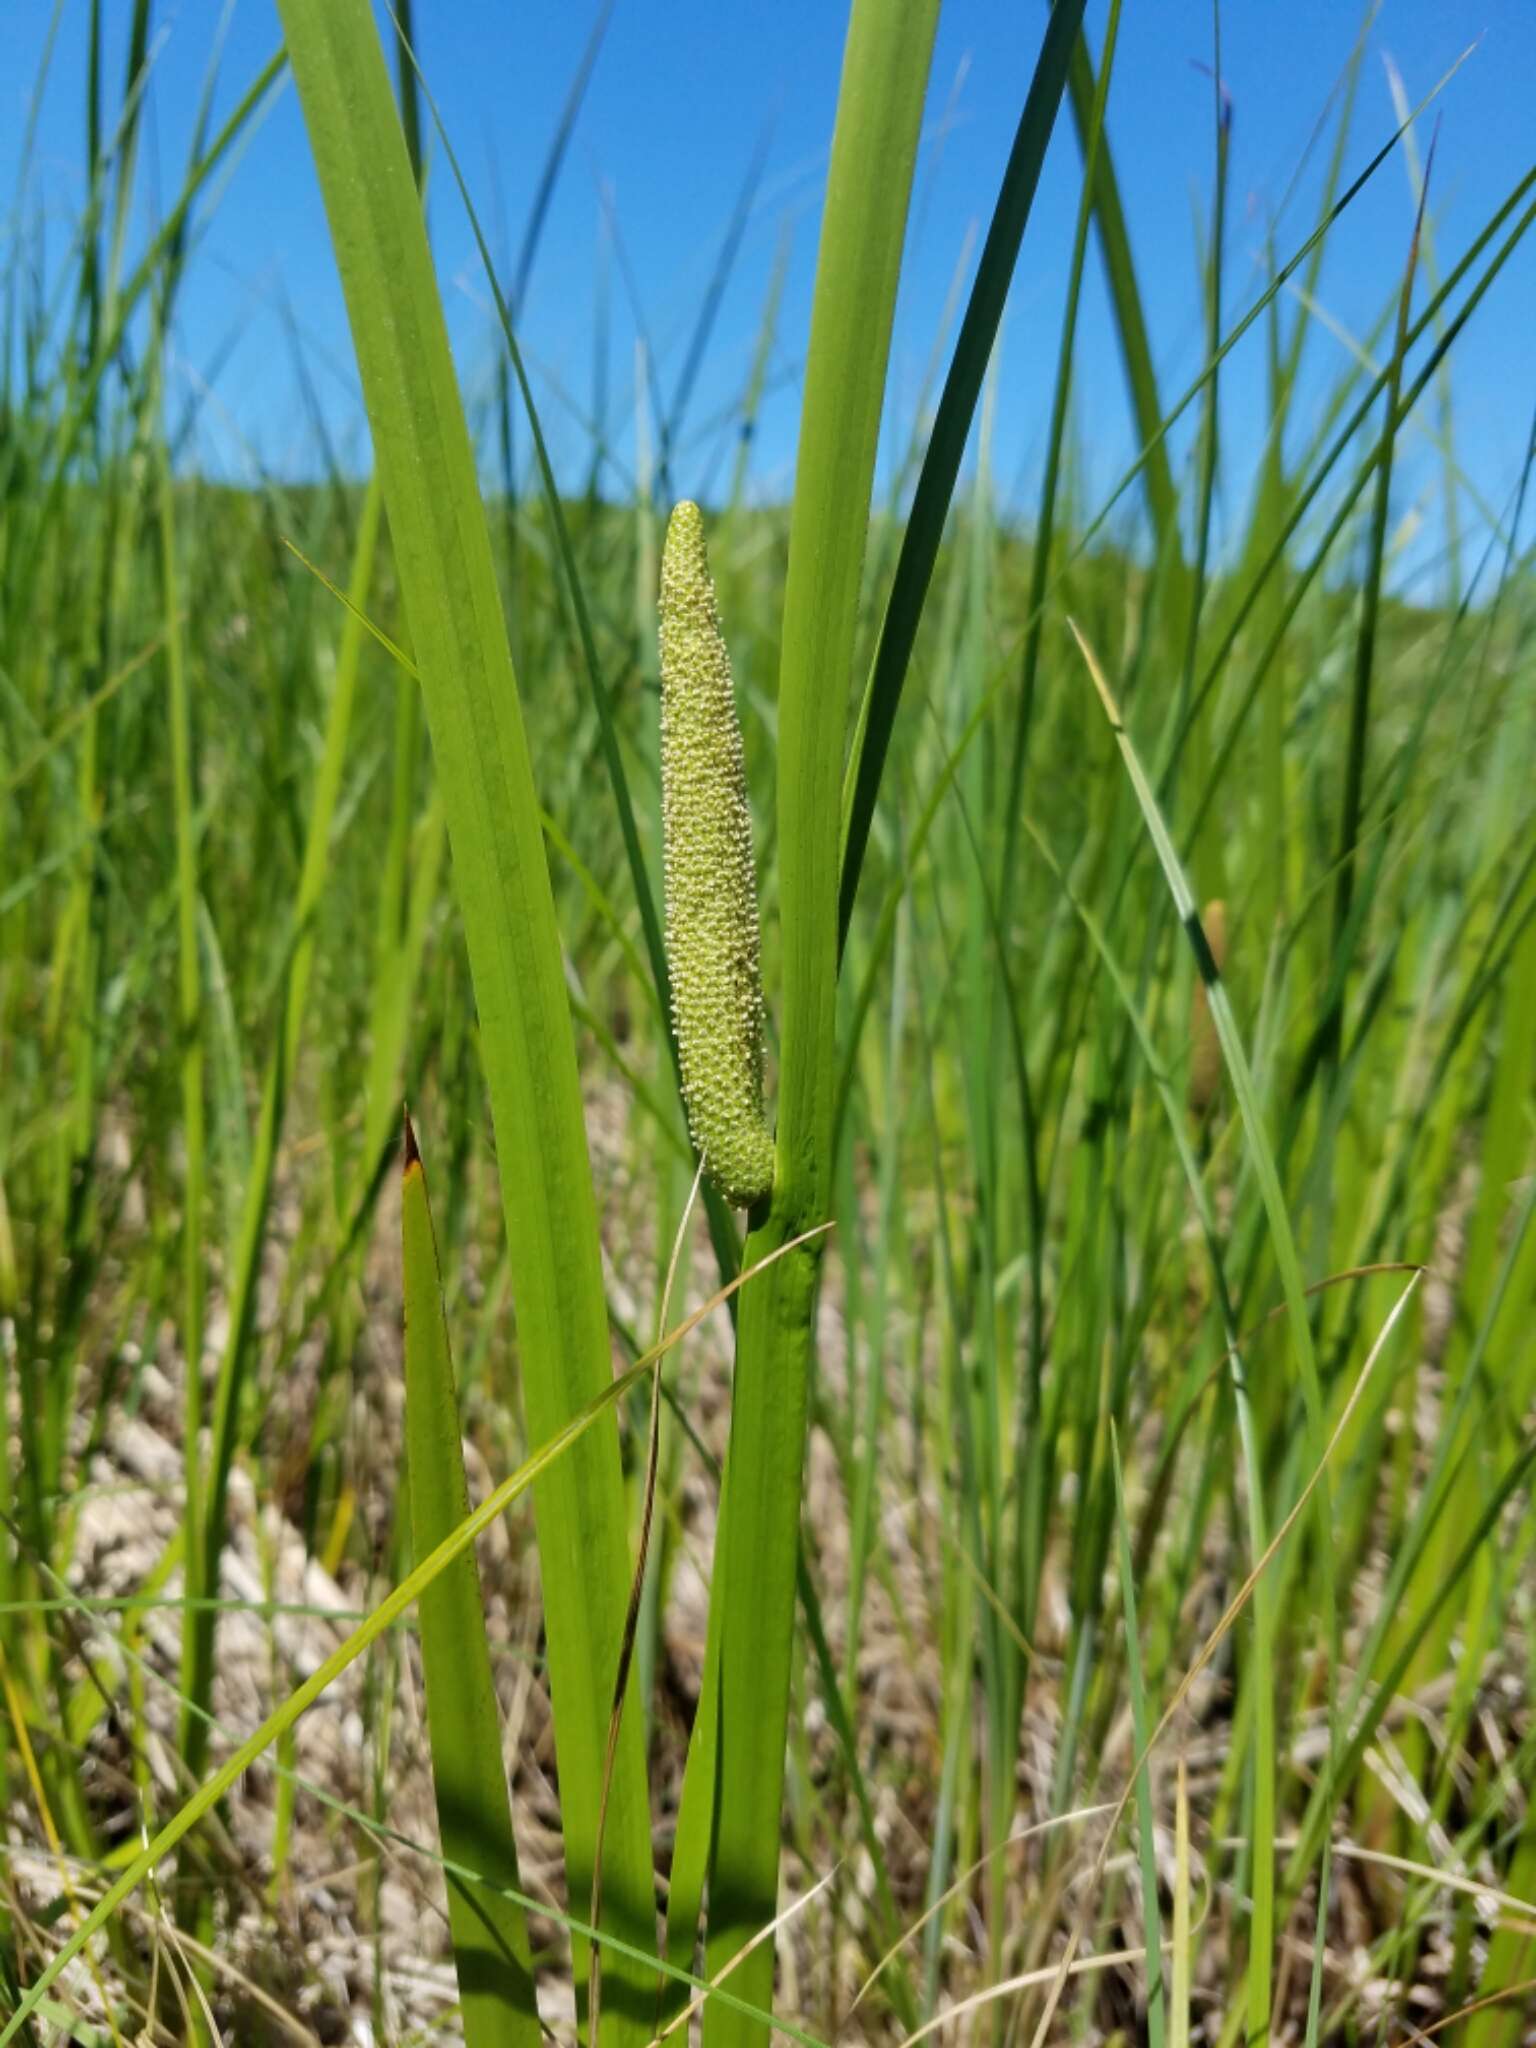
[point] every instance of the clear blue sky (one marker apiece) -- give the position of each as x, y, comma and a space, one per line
680, 98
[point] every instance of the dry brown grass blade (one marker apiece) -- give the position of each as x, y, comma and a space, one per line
1451, 2019
1028, 1980
1468, 1887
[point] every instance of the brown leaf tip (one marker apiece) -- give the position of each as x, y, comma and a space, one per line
412, 1149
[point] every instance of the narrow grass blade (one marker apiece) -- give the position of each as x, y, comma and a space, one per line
199, 1622
490, 1932
1365, 644
1092, 140
709, 307
1210, 414
946, 445
1152, 422
1178, 2014
554, 156
189, 1017
405, 77
1158, 2030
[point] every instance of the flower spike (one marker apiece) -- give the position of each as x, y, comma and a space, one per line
713, 948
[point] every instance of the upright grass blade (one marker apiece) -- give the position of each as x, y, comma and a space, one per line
486, 775
874, 148
1210, 413
189, 1018
709, 307
1159, 2028
757, 376
1365, 647
946, 445
1418, 181
1152, 422
208, 1538
517, 276
134, 84
405, 78
1178, 2014
490, 1932
1092, 138
392, 912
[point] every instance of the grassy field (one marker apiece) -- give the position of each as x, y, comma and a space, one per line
1081, 1583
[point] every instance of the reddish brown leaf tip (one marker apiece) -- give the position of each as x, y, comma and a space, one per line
412, 1149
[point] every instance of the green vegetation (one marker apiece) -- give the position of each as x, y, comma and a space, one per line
1068, 1568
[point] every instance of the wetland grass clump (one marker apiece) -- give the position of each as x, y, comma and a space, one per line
1083, 1243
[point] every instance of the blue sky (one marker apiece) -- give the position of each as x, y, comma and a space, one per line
680, 100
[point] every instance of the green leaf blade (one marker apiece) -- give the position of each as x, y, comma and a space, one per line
442, 544
490, 1932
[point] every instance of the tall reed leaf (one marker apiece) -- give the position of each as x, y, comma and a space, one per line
448, 580
490, 1933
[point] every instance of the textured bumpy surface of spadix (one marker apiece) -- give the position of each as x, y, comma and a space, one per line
711, 889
